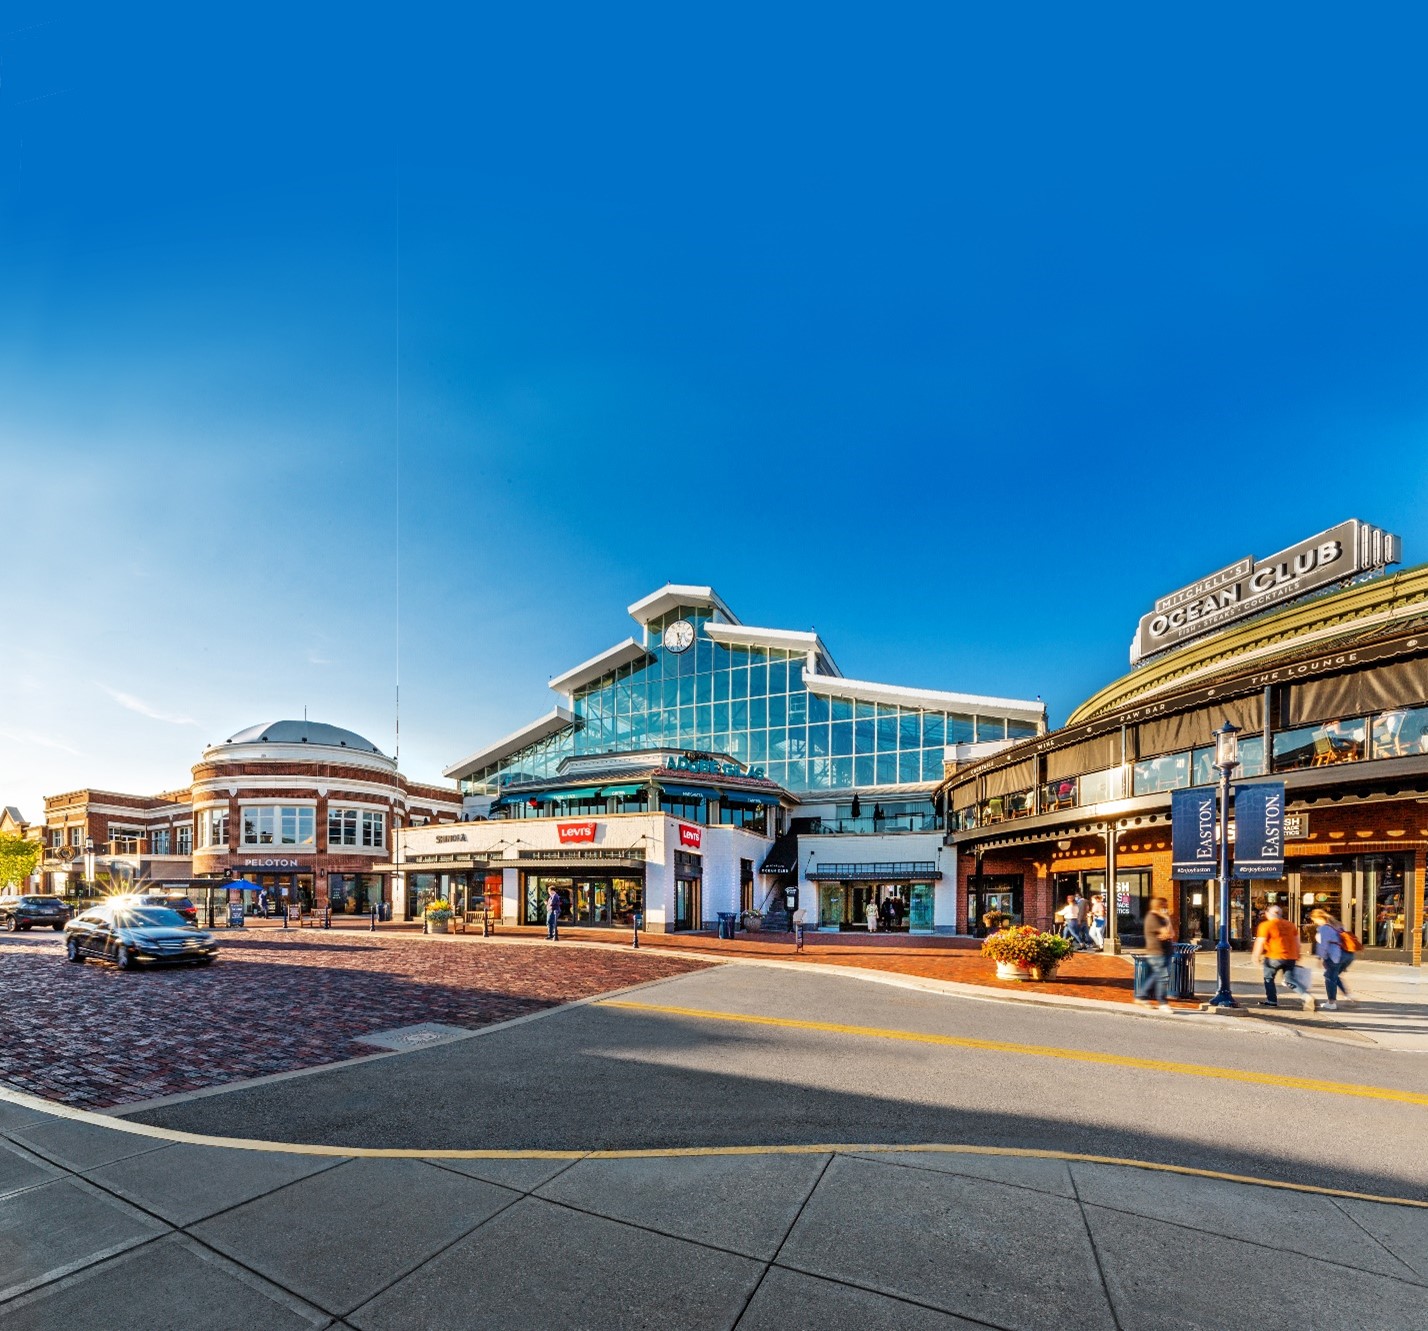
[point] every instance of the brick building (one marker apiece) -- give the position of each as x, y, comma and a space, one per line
300, 809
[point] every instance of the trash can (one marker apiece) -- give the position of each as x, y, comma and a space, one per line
1182, 970
727, 920
1142, 973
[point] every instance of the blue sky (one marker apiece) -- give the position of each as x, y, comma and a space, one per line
959, 336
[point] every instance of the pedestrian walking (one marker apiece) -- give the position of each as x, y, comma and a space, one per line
1276, 944
263, 903
1332, 943
1083, 917
871, 914
553, 904
1098, 920
1159, 938
1067, 916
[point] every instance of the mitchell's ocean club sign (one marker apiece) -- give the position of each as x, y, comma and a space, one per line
1249, 586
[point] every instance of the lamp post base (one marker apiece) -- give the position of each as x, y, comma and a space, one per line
1223, 997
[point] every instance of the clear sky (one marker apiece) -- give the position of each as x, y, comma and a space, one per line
959, 333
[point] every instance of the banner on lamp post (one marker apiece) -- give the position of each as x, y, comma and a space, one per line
1259, 830
1192, 833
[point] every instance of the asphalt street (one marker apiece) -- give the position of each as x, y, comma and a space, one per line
602, 1077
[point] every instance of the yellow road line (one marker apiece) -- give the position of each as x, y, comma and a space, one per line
177, 1137
1040, 1051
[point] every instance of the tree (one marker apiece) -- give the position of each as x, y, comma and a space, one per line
18, 860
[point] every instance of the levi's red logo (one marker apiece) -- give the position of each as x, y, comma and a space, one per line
571, 832
689, 836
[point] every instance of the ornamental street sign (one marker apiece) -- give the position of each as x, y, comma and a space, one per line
1250, 586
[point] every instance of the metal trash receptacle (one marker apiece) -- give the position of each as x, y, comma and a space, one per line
1182, 970
727, 921
1142, 973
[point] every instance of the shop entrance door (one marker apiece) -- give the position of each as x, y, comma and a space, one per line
686, 902
1323, 885
994, 896
830, 905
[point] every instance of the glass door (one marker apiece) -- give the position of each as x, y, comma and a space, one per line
686, 894
830, 905
919, 911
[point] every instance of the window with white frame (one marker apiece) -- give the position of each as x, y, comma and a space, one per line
185, 840
213, 827
279, 825
76, 836
363, 828
159, 841
57, 837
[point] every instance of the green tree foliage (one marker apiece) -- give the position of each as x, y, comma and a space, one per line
18, 860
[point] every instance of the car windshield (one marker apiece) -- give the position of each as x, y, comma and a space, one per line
36, 901
146, 917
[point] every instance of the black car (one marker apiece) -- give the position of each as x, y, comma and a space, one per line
27, 912
175, 901
132, 933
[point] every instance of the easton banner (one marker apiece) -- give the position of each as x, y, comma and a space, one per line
1259, 830
1192, 833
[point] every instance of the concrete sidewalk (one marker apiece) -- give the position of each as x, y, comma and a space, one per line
102, 1226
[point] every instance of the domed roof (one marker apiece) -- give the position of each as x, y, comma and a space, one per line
305, 732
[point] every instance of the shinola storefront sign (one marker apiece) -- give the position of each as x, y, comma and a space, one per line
1250, 586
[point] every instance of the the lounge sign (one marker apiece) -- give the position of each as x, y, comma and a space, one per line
1250, 586
1192, 833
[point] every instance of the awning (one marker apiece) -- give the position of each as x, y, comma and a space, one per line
783, 857
747, 797
920, 871
585, 793
621, 792
685, 792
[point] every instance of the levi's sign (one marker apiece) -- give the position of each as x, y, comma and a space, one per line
1249, 586
572, 833
690, 836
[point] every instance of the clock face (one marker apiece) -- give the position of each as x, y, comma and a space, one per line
679, 636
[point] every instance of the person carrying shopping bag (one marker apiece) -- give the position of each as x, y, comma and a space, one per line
1276, 944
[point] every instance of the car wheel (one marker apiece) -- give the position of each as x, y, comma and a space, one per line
11, 924
56, 927
122, 959
71, 950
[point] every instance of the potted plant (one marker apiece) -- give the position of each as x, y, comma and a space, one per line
438, 916
753, 921
994, 920
1023, 952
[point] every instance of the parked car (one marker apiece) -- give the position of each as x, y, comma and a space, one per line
175, 901
131, 933
18, 912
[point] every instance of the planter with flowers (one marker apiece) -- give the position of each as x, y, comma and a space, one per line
438, 916
1023, 952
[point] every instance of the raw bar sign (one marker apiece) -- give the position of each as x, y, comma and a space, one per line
1259, 830
1192, 833
1249, 586
572, 833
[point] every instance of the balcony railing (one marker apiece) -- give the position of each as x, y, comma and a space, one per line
868, 826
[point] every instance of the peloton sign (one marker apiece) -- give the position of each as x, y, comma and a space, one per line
1250, 586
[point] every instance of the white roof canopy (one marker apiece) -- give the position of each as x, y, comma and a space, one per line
1014, 709
552, 723
591, 670
673, 595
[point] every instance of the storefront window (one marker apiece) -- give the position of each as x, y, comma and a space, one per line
1385, 879
1320, 745
1171, 771
1059, 794
1099, 787
1399, 733
1251, 756
279, 825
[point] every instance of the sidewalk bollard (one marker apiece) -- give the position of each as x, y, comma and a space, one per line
327, 917
373, 929
285, 917
635, 921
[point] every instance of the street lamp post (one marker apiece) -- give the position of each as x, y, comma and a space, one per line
1226, 760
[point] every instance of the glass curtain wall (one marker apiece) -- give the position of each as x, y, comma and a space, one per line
750, 702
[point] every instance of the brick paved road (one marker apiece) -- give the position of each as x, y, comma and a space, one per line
97, 1037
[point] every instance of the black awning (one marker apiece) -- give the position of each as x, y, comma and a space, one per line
783, 857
